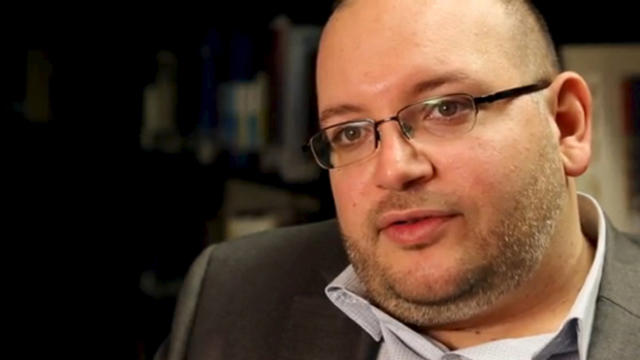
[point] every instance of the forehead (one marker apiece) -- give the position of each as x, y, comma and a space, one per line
376, 46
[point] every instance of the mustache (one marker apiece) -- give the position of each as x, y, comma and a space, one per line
395, 201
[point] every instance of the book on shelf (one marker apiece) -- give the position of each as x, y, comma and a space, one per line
631, 95
206, 144
298, 114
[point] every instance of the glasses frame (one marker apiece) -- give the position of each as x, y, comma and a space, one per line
477, 101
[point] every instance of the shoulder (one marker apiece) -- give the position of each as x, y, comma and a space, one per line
253, 277
616, 326
623, 249
318, 234
621, 275
303, 252
315, 243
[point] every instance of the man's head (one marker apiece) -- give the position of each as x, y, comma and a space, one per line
447, 229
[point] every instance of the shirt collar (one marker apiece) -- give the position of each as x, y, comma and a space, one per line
592, 221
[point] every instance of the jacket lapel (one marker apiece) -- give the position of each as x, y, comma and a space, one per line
317, 330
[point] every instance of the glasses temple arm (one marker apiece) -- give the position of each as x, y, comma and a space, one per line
512, 92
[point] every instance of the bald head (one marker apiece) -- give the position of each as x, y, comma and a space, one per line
534, 47
531, 49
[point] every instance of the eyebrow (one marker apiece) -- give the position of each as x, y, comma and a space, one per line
432, 84
339, 110
419, 88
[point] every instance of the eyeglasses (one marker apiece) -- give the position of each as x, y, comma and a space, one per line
444, 116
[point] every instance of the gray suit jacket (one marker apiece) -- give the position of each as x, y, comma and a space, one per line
262, 297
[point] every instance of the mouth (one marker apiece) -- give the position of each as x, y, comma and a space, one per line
398, 218
413, 228
407, 222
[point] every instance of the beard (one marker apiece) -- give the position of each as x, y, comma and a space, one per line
497, 259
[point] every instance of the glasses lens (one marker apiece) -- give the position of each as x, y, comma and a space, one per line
343, 144
445, 116
320, 147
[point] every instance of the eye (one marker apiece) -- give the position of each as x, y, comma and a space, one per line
452, 110
448, 108
349, 135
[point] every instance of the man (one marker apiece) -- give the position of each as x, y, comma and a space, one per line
452, 140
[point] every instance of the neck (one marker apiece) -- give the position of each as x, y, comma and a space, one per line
540, 305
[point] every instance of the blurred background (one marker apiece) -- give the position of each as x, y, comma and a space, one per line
136, 137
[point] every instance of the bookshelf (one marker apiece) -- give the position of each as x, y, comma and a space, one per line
230, 156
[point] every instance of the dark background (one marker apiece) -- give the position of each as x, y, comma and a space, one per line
89, 210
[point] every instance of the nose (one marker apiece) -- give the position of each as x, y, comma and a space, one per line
400, 164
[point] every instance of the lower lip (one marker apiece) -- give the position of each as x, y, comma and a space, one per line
420, 233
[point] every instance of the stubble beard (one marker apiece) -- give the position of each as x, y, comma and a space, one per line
512, 251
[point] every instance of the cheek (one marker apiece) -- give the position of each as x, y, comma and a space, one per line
351, 198
483, 172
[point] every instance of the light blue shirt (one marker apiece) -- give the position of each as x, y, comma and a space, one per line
399, 342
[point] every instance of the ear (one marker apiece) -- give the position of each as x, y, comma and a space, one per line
570, 105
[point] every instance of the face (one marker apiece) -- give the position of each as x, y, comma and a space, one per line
439, 231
